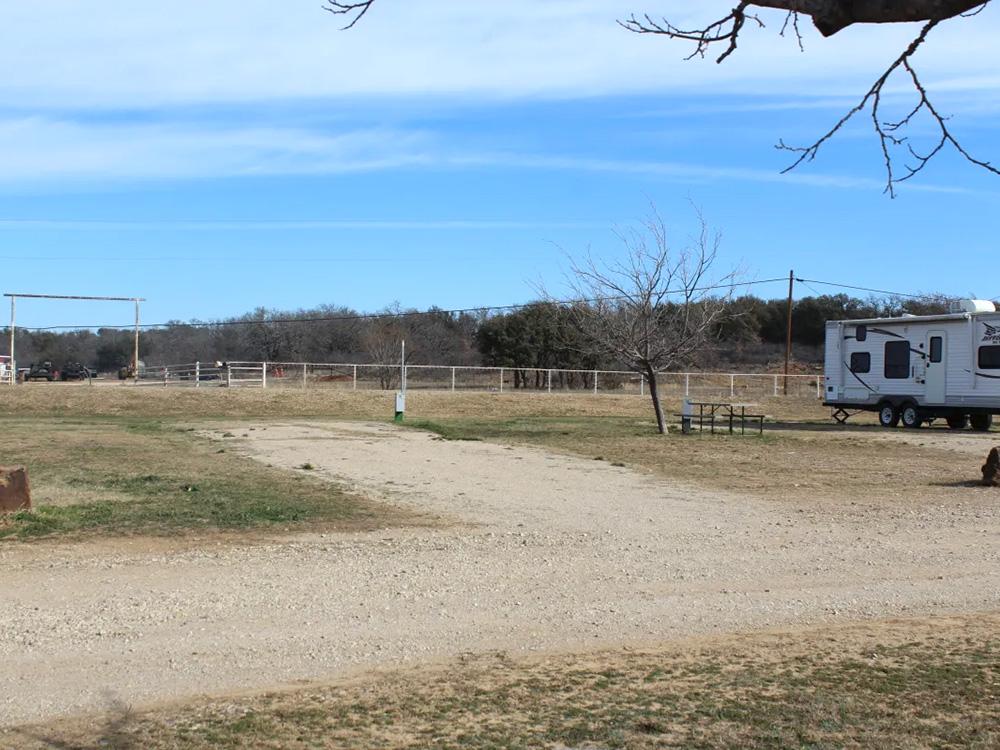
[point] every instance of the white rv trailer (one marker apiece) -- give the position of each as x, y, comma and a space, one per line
918, 368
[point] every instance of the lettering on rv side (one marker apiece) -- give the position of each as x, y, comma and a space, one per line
992, 334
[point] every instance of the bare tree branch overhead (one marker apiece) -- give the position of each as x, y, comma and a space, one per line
829, 17
353, 12
888, 130
902, 160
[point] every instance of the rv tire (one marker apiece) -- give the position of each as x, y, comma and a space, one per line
911, 416
888, 415
981, 422
958, 421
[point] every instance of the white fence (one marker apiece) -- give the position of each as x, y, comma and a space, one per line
229, 374
352, 376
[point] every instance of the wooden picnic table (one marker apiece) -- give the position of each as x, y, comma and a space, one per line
711, 410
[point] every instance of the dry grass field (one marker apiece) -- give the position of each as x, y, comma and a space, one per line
895, 684
172, 467
75, 399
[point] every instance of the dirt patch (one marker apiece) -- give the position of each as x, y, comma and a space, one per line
551, 552
804, 466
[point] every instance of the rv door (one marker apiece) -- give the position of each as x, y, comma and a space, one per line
936, 373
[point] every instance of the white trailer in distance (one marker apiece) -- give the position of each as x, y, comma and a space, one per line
917, 368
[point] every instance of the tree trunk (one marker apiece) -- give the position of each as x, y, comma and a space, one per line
830, 16
654, 394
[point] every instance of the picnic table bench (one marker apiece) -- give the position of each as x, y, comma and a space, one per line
708, 412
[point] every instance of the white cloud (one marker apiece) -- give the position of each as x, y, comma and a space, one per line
119, 53
39, 149
49, 153
687, 172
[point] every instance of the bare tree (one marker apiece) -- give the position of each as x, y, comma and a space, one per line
656, 308
829, 17
382, 343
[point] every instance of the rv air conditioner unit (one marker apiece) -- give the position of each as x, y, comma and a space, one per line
973, 306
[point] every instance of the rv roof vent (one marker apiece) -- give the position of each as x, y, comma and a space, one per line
974, 306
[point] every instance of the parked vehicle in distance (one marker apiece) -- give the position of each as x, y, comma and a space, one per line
914, 369
127, 372
75, 371
40, 371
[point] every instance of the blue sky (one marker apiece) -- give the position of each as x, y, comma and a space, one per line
216, 157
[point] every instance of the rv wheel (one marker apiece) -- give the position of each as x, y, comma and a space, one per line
888, 416
981, 422
911, 416
958, 421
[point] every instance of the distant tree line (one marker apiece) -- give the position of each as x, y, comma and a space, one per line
537, 336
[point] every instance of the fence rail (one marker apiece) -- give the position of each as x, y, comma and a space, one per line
469, 378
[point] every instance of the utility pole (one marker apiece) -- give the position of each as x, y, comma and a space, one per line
12, 364
135, 352
788, 332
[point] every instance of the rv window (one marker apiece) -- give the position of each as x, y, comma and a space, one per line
861, 362
897, 360
989, 358
937, 348
861, 333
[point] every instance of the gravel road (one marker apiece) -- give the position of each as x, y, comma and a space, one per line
545, 552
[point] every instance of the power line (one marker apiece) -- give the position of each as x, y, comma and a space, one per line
393, 315
864, 289
460, 311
